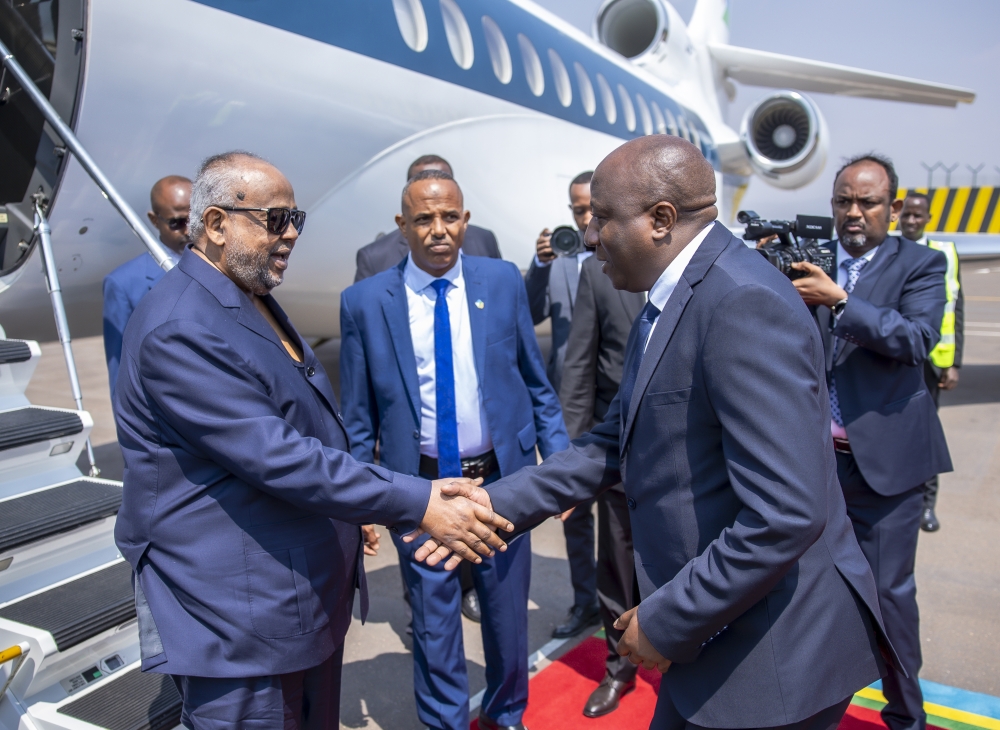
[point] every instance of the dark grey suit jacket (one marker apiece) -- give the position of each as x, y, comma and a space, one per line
385, 252
891, 323
595, 348
552, 293
751, 579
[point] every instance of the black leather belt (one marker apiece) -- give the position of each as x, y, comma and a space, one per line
842, 446
475, 467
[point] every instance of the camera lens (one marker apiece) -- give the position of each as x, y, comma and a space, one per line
566, 241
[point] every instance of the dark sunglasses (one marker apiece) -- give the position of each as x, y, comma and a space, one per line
175, 224
278, 219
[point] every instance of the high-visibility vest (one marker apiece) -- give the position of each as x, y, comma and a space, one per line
943, 356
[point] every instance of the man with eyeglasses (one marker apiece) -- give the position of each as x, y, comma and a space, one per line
552, 282
124, 288
241, 502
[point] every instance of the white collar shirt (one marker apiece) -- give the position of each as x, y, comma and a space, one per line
844, 255
473, 431
659, 295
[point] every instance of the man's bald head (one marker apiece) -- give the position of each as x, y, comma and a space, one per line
651, 197
170, 209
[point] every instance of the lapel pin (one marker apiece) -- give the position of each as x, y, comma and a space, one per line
479, 304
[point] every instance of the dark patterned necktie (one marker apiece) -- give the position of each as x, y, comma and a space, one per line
853, 267
646, 319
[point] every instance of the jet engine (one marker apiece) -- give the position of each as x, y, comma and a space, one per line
786, 139
650, 33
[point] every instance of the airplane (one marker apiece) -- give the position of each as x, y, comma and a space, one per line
342, 95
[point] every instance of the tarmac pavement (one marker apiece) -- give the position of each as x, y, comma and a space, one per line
958, 568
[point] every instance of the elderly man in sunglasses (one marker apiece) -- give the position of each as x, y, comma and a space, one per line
124, 288
242, 505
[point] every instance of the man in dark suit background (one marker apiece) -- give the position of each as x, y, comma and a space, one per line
440, 367
241, 502
385, 252
757, 603
879, 321
124, 288
552, 282
592, 372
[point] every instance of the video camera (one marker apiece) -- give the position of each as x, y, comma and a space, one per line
798, 240
566, 241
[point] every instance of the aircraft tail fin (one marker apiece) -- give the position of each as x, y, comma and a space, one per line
710, 22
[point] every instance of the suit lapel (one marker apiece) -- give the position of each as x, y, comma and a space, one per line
571, 272
868, 280
397, 318
476, 290
713, 245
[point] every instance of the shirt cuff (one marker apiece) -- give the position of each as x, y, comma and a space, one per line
541, 265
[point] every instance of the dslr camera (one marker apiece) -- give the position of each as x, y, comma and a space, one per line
566, 241
798, 240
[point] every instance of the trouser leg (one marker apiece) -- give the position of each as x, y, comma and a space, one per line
440, 678
932, 378
615, 575
887, 530
579, 532
502, 583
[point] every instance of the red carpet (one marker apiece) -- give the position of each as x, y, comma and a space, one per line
557, 695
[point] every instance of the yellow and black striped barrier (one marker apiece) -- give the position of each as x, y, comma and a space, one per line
961, 210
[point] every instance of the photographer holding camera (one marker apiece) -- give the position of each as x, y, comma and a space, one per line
552, 281
880, 316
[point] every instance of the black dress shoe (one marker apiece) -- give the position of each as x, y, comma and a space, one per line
580, 618
488, 723
929, 521
605, 698
470, 607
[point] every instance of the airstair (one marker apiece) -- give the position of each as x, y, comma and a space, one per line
69, 643
67, 611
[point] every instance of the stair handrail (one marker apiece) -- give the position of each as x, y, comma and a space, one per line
156, 249
18, 652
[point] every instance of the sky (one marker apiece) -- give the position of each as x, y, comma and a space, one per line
955, 42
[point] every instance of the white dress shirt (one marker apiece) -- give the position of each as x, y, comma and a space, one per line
473, 432
659, 295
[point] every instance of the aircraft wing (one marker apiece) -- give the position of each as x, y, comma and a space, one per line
763, 68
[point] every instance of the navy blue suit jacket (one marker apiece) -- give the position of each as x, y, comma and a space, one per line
378, 370
124, 288
752, 581
241, 503
891, 323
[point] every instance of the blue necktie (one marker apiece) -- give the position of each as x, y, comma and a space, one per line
853, 267
646, 319
449, 462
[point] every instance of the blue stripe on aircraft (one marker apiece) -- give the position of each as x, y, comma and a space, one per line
369, 27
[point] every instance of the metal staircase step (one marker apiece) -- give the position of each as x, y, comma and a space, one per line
134, 701
31, 425
14, 351
80, 609
48, 512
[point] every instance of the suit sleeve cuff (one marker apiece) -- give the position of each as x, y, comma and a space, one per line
409, 504
666, 639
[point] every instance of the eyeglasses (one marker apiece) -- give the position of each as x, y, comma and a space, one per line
175, 224
278, 219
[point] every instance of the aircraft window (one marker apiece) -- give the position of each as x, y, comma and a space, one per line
412, 23
532, 65
607, 99
586, 89
644, 117
627, 109
499, 51
682, 127
658, 122
695, 137
564, 90
457, 31
671, 122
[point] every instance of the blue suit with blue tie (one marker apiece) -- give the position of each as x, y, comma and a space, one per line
124, 288
382, 402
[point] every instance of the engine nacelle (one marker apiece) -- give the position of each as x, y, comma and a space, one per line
786, 139
649, 33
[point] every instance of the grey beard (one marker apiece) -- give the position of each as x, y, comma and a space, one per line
250, 267
856, 241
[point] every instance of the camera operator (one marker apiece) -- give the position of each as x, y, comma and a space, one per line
879, 320
552, 281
